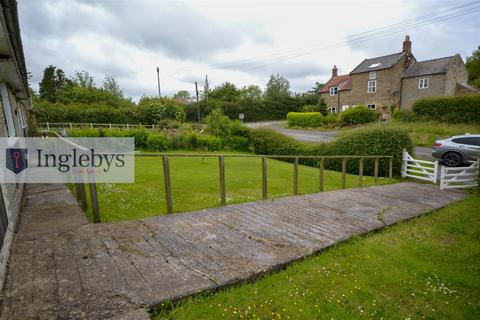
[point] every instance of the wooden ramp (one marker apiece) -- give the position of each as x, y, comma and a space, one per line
63, 267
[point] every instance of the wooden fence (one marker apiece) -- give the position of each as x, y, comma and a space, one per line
71, 125
221, 167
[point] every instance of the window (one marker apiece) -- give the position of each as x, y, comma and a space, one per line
374, 65
333, 91
423, 83
372, 106
473, 141
372, 86
345, 107
373, 75
332, 109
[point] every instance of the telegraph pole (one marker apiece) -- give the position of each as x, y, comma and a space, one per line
158, 80
206, 90
198, 105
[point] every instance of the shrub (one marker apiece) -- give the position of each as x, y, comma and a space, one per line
195, 141
358, 115
154, 110
157, 142
404, 116
304, 119
268, 141
464, 109
373, 141
330, 119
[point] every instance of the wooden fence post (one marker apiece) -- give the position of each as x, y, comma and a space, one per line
70, 126
221, 166
168, 187
91, 125
375, 171
344, 173
48, 126
360, 172
82, 196
264, 178
390, 168
110, 126
94, 197
321, 177
295, 176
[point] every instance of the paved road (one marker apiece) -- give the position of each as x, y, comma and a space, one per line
322, 136
62, 267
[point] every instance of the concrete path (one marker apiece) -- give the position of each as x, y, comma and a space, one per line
322, 136
62, 267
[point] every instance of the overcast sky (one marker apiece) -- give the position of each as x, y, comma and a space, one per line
239, 42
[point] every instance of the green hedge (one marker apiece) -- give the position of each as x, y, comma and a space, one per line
463, 109
367, 142
358, 115
304, 119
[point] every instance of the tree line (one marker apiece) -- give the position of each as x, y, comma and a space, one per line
80, 99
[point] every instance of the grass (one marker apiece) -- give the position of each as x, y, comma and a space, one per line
426, 268
195, 185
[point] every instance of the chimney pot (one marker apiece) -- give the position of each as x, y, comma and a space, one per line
407, 44
334, 71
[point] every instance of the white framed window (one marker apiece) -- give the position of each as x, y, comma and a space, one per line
345, 107
7, 110
372, 75
333, 91
332, 109
372, 106
372, 86
423, 83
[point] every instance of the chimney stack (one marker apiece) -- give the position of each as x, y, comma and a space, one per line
334, 72
407, 44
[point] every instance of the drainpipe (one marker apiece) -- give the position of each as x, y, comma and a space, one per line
400, 99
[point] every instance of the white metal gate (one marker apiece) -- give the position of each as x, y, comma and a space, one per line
419, 169
459, 177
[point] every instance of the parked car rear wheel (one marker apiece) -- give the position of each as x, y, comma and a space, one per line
452, 159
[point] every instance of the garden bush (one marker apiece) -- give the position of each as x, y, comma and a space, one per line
157, 142
462, 109
304, 119
330, 119
370, 142
358, 115
404, 116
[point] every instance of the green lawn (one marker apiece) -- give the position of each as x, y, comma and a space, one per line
426, 268
195, 184
424, 134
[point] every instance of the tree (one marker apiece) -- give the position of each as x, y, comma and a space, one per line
252, 93
83, 79
278, 88
317, 87
52, 82
225, 92
473, 67
111, 85
182, 95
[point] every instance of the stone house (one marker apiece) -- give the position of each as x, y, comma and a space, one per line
395, 80
13, 120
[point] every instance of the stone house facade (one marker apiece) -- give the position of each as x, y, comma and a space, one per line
14, 102
395, 80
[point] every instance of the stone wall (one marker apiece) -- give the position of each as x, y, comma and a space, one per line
456, 73
411, 92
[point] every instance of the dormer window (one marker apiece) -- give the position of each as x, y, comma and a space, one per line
423, 83
333, 91
373, 75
